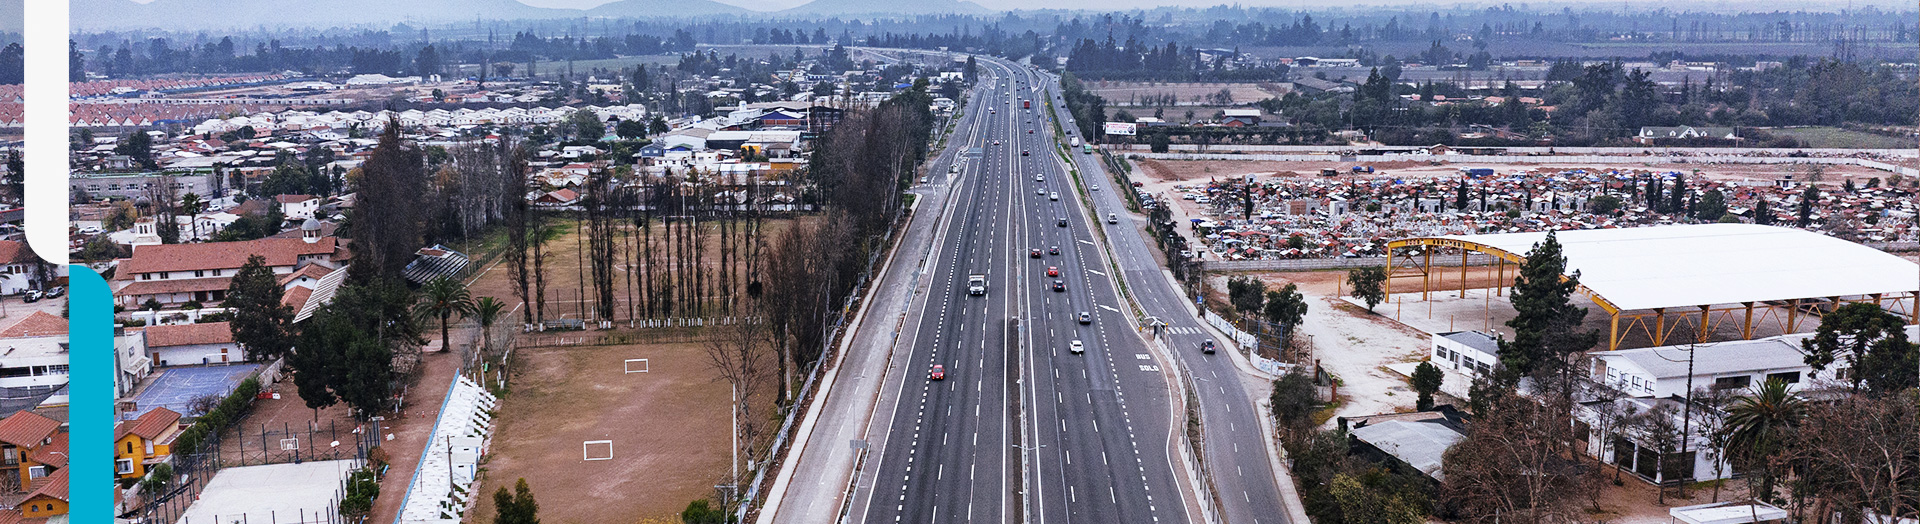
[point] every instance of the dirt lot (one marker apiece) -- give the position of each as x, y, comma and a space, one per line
669, 429
1120, 93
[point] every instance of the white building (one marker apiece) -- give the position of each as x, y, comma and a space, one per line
33, 353
193, 344
1469, 353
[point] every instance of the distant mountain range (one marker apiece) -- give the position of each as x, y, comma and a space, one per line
95, 15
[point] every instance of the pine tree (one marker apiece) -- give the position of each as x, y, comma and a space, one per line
1545, 324
517, 507
261, 324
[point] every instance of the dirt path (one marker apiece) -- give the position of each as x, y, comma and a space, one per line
410, 429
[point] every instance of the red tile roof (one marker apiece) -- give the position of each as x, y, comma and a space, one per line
37, 324
149, 426
292, 199
53, 486
296, 298
54, 454
189, 334
16, 252
27, 429
187, 285
219, 255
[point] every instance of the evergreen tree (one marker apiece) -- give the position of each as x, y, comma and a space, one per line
1807, 198
517, 507
1285, 307
1545, 323
1368, 285
1426, 381
260, 322
1712, 206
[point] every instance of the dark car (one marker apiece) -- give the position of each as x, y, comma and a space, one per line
939, 373
1053, 250
1035, 253
1023, 152
1086, 318
1062, 222
1207, 347
1059, 285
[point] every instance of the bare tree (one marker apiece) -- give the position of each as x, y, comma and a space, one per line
1510, 467
737, 353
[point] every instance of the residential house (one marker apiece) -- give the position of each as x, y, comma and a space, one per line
32, 447
560, 197
21, 270
130, 360
1240, 117
193, 344
48, 500
174, 274
33, 358
141, 443
1650, 134
298, 207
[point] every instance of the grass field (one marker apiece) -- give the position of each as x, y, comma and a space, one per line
1843, 138
1120, 93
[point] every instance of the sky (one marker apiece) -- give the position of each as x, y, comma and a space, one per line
775, 5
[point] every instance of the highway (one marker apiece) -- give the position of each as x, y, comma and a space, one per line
1020, 426
1239, 461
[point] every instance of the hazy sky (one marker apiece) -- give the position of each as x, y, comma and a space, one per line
1758, 5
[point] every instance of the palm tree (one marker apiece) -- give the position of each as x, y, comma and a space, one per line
191, 204
1757, 426
486, 310
442, 298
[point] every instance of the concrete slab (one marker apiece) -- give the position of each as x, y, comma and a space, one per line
272, 494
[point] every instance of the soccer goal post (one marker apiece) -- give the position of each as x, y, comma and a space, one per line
596, 450
636, 365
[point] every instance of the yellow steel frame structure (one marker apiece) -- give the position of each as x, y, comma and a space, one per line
1659, 324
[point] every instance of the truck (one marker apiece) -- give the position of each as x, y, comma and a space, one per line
976, 284
1075, 142
1026, 104
1089, 148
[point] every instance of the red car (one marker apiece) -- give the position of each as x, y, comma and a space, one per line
1053, 271
939, 373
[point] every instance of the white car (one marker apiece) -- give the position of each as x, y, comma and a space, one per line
1040, 191
1038, 178
1076, 347
1054, 196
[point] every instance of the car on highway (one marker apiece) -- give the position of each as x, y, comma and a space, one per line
1029, 131
1113, 218
1062, 222
1076, 347
1054, 196
1086, 318
1207, 347
1023, 152
1035, 252
1039, 178
1053, 271
1053, 250
939, 373
1040, 191
1059, 285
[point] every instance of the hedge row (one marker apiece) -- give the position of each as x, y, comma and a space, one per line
211, 423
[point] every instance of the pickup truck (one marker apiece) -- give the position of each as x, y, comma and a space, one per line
976, 284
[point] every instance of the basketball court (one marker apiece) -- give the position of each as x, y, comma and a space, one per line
279, 493
175, 388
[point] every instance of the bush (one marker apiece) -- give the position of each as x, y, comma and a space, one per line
700, 512
230, 410
362, 488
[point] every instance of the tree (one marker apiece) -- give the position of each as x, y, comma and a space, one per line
1758, 427
702, 512
1294, 400
1603, 204
1286, 307
658, 125
486, 311
630, 129
1873, 341
442, 298
517, 507
1426, 381
1546, 320
1158, 143
1804, 217
260, 322
387, 218
1246, 293
428, 61
1712, 206
1369, 285
1510, 464
1762, 213
139, 146
586, 124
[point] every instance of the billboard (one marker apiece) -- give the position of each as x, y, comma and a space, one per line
1119, 128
